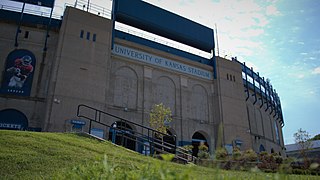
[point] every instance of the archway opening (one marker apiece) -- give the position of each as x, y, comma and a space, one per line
13, 119
272, 150
198, 139
261, 149
121, 133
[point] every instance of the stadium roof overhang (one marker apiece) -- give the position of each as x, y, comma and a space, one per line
166, 24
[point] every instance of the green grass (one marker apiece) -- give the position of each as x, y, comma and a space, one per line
31, 155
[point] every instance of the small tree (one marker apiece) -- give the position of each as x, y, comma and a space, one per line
302, 138
159, 117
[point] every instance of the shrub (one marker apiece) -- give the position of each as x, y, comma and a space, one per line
236, 154
221, 153
188, 148
250, 156
268, 163
203, 152
203, 155
278, 159
285, 166
203, 147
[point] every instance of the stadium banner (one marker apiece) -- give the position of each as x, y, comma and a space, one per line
46, 3
162, 62
18, 73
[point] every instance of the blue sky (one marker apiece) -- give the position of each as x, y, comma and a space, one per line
279, 38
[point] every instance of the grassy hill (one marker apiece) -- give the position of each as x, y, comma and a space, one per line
32, 155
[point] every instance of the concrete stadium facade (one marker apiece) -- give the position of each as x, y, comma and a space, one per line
80, 67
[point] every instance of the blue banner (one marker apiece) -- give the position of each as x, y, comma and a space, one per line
18, 73
47, 3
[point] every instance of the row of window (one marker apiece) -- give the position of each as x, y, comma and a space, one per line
231, 77
94, 36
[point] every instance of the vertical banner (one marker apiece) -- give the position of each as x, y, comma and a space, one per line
18, 73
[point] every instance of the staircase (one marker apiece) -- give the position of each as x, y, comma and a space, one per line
141, 138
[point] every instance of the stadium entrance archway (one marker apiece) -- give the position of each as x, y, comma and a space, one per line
13, 119
261, 148
198, 138
122, 133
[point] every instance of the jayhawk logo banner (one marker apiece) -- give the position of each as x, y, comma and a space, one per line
18, 73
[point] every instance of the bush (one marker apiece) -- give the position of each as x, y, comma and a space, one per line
268, 163
188, 148
236, 154
285, 166
221, 153
278, 159
203, 152
203, 147
203, 155
250, 156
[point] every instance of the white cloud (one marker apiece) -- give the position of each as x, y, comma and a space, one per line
272, 11
295, 29
239, 23
300, 76
291, 41
316, 70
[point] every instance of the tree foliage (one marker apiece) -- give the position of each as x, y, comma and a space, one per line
316, 137
159, 116
302, 138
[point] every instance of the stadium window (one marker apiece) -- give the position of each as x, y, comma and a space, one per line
26, 34
81, 33
88, 35
94, 36
227, 76
234, 78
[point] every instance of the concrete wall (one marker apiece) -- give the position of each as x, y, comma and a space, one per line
34, 105
262, 126
137, 86
80, 72
232, 103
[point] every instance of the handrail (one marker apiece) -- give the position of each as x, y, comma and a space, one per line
117, 117
154, 143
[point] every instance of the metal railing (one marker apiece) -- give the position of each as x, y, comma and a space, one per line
30, 11
85, 5
122, 132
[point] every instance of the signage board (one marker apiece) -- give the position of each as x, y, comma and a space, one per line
78, 122
161, 62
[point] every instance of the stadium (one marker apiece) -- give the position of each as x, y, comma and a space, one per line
78, 72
